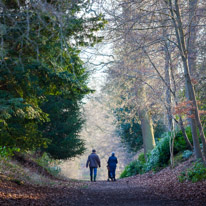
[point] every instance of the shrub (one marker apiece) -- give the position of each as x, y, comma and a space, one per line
180, 143
6, 152
134, 168
49, 164
141, 158
55, 170
156, 159
159, 156
194, 174
187, 154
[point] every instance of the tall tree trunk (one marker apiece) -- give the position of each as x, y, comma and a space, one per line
146, 126
167, 80
192, 51
147, 131
188, 84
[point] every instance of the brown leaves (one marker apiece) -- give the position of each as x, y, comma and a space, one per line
166, 184
186, 108
194, 81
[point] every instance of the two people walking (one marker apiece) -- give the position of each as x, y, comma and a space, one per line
93, 162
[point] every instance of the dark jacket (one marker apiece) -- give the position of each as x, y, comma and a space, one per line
93, 160
112, 162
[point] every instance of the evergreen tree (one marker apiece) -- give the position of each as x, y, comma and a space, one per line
39, 63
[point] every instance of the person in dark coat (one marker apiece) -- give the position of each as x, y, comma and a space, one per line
93, 162
112, 163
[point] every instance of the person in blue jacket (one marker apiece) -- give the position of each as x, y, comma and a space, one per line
112, 164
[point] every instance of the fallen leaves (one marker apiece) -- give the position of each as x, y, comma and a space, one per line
149, 188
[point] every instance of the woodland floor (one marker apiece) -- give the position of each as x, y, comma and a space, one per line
149, 189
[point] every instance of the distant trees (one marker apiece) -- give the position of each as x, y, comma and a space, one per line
42, 79
128, 130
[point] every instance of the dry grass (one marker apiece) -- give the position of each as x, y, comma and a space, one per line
14, 171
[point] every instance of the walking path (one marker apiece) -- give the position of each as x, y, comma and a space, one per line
120, 193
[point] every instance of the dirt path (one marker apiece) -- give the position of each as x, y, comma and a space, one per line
119, 193
123, 192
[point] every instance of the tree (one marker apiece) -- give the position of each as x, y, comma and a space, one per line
166, 32
63, 128
190, 92
129, 130
40, 43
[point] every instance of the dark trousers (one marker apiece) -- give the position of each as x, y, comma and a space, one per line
112, 172
93, 170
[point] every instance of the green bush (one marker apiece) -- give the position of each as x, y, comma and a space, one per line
194, 174
159, 156
49, 164
187, 154
178, 158
141, 158
6, 152
180, 143
134, 168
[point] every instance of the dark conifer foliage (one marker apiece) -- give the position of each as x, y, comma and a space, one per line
42, 78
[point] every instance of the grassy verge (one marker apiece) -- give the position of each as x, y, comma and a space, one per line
33, 171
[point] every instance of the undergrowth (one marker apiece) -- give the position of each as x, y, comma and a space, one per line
159, 157
6, 152
14, 171
49, 164
194, 174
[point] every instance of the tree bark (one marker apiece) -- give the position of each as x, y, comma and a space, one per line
147, 132
167, 80
192, 51
146, 126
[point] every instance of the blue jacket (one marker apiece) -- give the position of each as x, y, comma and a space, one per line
112, 162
